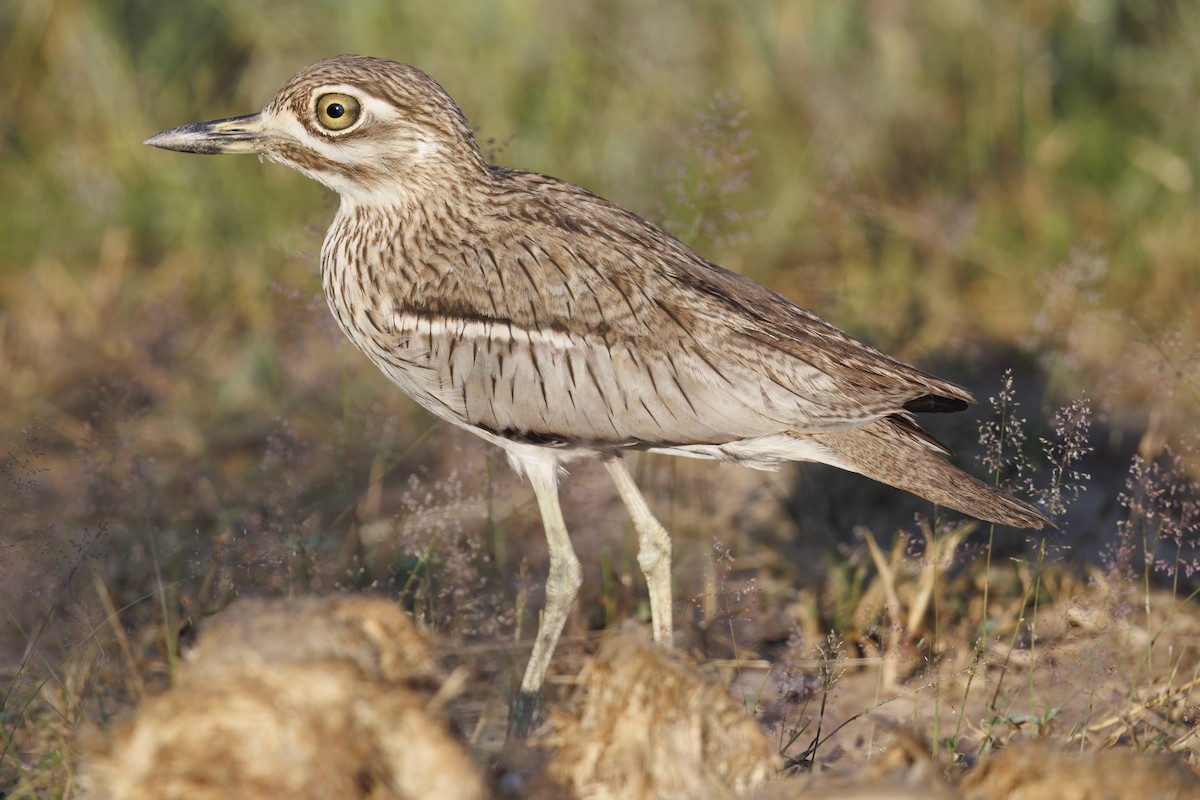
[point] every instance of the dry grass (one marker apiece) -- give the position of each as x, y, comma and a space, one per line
340, 697
968, 185
649, 724
1041, 771
372, 634
306, 699
1032, 770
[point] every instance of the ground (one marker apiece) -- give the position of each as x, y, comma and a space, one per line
1003, 195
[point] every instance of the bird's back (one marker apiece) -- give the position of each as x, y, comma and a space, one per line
537, 311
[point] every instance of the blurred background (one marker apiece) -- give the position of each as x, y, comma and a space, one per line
971, 186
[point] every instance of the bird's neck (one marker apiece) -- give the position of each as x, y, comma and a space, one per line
387, 220
418, 194
398, 238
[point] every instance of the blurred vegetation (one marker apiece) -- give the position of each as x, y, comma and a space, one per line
915, 171
960, 182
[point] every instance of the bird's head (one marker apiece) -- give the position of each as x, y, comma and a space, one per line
371, 130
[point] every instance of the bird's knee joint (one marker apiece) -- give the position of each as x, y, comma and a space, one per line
564, 579
654, 553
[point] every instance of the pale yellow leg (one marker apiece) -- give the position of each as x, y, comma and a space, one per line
562, 585
654, 550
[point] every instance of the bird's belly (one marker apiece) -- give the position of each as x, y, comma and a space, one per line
549, 386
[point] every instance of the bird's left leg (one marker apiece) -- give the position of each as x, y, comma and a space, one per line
654, 549
562, 585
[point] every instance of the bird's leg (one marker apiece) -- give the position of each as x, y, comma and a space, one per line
654, 550
562, 585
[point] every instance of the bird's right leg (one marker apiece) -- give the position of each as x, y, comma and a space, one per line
654, 549
562, 585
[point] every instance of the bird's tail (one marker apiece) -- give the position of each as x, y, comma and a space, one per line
895, 451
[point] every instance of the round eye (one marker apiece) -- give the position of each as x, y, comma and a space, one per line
336, 112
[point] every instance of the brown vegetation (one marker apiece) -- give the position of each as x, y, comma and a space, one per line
1047, 771
342, 697
309, 699
648, 723
970, 185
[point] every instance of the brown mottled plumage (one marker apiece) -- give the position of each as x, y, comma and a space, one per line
558, 325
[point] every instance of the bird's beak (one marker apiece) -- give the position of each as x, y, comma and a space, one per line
246, 134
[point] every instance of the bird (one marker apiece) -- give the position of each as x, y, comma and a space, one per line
559, 326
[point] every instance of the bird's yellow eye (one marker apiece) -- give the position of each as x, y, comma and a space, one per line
336, 112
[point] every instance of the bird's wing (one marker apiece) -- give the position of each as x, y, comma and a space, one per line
577, 321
